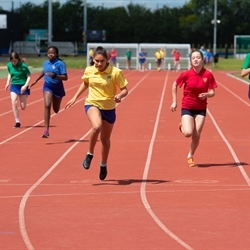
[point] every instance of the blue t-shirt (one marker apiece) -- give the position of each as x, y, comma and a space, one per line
57, 67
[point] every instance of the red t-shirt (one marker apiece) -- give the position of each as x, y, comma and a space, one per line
113, 53
177, 56
194, 84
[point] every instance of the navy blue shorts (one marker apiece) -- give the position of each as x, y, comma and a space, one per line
107, 115
17, 89
193, 112
56, 89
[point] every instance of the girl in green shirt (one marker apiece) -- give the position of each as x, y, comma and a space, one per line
18, 83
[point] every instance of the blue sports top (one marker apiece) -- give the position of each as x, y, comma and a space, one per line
57, 67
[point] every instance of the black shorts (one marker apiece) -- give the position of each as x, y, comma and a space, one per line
193, 112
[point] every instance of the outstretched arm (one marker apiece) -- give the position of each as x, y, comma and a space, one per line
81, 89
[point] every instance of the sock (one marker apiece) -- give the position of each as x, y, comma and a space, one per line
89, 153
189, 155
103, 165
17, 120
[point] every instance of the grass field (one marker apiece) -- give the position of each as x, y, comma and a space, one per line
79, 62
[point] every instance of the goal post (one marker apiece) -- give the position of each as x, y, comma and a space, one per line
150, 49
121, 48
241, 46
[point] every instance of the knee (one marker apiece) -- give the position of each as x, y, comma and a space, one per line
187, 133
105, 141
96, 129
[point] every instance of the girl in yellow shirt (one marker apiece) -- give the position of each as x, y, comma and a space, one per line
102, 80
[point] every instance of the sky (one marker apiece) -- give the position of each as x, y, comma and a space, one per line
7, 4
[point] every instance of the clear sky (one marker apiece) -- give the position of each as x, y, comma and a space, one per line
6, 4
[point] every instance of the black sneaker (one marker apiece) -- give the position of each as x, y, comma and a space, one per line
17, 125
87, 161
103, 172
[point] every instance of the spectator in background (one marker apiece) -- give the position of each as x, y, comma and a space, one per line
245, 70
142, 60
113, 56
209, 59
176, 57
163, 54
18, 82
91, 53
204, 52
128, 55
158, 57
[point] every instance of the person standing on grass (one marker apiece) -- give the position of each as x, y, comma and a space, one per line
199, 84
18, 82
128, 55
102, 80
176, 56
245, 70
54, 73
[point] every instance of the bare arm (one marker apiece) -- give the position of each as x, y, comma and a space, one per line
81, 89
245, 72
174, 97
122, 94
8, 81
39, 77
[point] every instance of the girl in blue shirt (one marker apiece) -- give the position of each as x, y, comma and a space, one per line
54, 73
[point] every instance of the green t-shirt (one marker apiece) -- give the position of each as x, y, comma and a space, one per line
19, 73
128, 54
246, 63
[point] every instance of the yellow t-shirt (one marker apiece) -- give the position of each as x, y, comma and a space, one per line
103, 86
157, 55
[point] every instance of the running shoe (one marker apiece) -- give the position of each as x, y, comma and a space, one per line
103, 172
190, 161
87, 161
17, 125
45, 134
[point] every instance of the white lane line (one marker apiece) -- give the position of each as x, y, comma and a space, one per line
236, 159
145, 175
22, 205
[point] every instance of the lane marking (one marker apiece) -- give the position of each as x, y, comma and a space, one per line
146, 170
21, 212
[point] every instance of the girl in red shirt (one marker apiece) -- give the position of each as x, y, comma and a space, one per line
198, 85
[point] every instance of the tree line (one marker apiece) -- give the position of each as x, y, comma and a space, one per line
134, 23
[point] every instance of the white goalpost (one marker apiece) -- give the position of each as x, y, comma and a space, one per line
150, 49
121, 48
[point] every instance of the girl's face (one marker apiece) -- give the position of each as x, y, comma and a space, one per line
51, 54
14, 61
196, 59
101, 62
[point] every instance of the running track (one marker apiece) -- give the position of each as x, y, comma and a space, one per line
151, 199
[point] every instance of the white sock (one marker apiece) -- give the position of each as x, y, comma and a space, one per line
103, 165
89, 153
189, 155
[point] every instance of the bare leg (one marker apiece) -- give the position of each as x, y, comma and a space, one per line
105, 139
48, 98
23, 101
14, 98
95, 118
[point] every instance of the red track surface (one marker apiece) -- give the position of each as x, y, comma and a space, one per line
151, 199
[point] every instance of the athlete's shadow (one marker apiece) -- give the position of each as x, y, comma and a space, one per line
229, 164
130, 182
68, 141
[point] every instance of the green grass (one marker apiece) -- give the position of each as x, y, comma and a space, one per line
79, 62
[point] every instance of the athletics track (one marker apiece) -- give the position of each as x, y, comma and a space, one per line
151, 199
